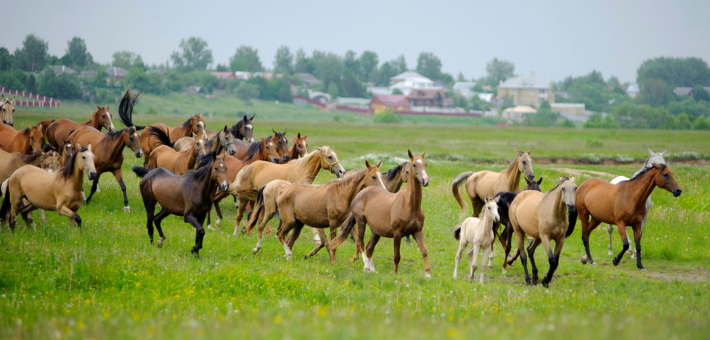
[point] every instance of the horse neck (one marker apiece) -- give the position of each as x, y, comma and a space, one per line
512, 176
294, 151
487, 221
239, 134
353, 185
113, 146
191, 157
77, 179
394, 184
640, 188
555, 202
413, 191
309, 166
217, 147
93, 122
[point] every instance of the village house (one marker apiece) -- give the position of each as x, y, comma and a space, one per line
61, 69
527, 90
224, 75
430, 98
116, 73
308, 79
394, 102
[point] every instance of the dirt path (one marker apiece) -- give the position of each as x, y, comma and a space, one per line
576, 172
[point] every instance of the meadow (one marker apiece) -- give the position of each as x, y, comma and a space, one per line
106, 281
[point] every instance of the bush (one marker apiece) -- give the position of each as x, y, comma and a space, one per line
701, 123
597, 121
543, 117
137, 78
63, 87
386, 117
566, 123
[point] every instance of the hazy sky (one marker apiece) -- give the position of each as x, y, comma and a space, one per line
553, 39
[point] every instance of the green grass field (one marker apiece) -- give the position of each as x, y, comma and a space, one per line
107, 282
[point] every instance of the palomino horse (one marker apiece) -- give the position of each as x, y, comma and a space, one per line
304, 170
621, 204
265, 208
242, 130
188, 195
58, 191
57, 131
545, 218
487, 183
185, 143
262, 151
323, 206
27, 141
166, 157
390, 215
11, 161
7, 111
193, 125
478, 232
654, 158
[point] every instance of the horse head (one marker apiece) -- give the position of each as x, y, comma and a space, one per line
197, 125
655, 158
301, 145
533, 184
8, 111
227, 140
244, 129
419, 166
200, 147
86, 159
329, 161
104, 117
664, 179
50, 161
36, 138
569, 192
132, 140
373, 176
219, 173
491, 209
525, 164
281, 145
268, 150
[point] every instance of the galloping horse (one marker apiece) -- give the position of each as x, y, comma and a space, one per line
27, 141
242, 130
57, 131
654, 158
621, 204
304, 170
193, 125
323, 206
478, 232
188, 195
58, 191
265, 208
390, 215
487, 183
7, 111
166, 157
545, 218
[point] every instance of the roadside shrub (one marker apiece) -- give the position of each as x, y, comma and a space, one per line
386, 117
566, 123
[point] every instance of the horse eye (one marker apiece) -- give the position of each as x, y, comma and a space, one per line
373, 177
83, 157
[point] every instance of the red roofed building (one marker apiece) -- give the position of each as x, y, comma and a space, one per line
394, 102
224, 75
431, 98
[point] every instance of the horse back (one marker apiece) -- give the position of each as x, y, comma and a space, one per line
524, 211
309, 204
42, 188
170, 190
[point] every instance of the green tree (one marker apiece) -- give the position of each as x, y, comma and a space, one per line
683, 121
247, 93
386, 117
6, 59
545, 105
283, 62
333, 90
303, 63
65, 86
499, 70
701, 123
137, 78
399, 65
126, 60
631, 116
221, 68
675, 71
246, 59
429, 65
31, 84
33, 55
397, 91
368, 64
613, 80
76, 49
543, 118
447, 78
194, 55
351, 62
700, 93
654, 92
460, 77
598, 121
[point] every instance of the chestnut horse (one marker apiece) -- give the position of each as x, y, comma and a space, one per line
166, 157
390, 215
487, 183
621, 204
188, 195
57, 131
279, 140
254, 176
545, 218
322, 206
193, 125
299, 148
58, 191
7, 111
27, 141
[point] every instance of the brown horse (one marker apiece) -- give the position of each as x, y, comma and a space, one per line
279, 140
57, 131
242, 130
487, 183
166, 157
299, 148
390, 215
59, 191
27, 141
262, 151
188, 195
7, 111
322, 206
545, 218
186, 143
304, 170
193, 125
623, 204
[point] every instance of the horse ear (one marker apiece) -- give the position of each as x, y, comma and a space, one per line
378, 164
409, 152
98, 107
529, 152
650, 152
487, 199
298, 136
200, 115
274, 131
252, 117
225, 128
39, 126
29, 127
306, 136
527, 180
539, 181
518, 151
244, 119
263, 140
106, 107
423, 154
367, 164
285, 131
88, 147
664, 152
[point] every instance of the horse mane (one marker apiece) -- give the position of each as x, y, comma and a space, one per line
236, 127
512, 163
645, 170
505, 198
389, 175
115, 134
562, 180
278, 135
204, 165
27, 159
68, 170
347, 180
163, 138
188, 121
253, 150
25, 132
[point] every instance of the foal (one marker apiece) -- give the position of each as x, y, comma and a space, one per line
27, 141
478, 232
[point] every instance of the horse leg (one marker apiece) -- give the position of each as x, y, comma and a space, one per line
630, 251
554, 258
531, 255
360, 240
262, 224
477, 205
157, 220
240, 213
397, 240
94, 185
286, 227
367, 255
119, 177
218, 211
322, 238
150, 212
294, 235
610, 230
483, 268
42, 217
474, 252
462, 246
64, 210
586, 230
419, 237
520, 238
637, 239
621, 226
199, 234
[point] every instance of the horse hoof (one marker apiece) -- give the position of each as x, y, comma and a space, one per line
545, 284
643, 269
244, 230
218, 223
503, 273
584, 260
535, 281
629, 252
305, 257
127, 209
159, 244
615, 261
610, 253
209, 227
254, 251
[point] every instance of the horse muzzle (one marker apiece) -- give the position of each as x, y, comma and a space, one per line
232, 152
251, 140
531, 177
11, 124
275, 160
571, 207
92, 175
224, 187
139, 154
285, 158
677, 192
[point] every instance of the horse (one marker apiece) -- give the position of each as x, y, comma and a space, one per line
299, 148
7, 111
390, 215
621, 204
222, 140
11, 161
478, 232
279, 139
164, 156
262, 151
254, 176
544, 217
58, 191
185, 143
27, 141
654, 158
193, 125
188, 195
266, 208
57, 131
242, 130
487, 183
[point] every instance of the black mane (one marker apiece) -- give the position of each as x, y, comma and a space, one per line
237, 127
253, 150
645, 170
505, 199
68, 170
278, 134
163, 138
188, 121
125, 108
389, 175
30, 158
204, 165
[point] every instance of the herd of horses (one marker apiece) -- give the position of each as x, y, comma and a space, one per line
188, 170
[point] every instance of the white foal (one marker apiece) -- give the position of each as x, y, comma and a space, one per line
478, 232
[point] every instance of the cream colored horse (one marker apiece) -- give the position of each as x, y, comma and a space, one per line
478, 232
544, 217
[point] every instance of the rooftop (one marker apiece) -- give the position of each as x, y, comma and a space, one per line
530, 81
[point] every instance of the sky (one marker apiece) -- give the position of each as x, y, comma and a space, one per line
554, 39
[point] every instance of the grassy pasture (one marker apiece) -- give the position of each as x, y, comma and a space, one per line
107, 281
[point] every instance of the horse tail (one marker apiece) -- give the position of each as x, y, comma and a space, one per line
140, 171
572, 219
161, 136
347, 227
455, 189
5, 190
256, 210
457, 232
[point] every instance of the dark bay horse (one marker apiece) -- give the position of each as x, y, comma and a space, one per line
57, 131
27, 141
193, 125
188, 195
242, 130
623, 204
7, 111
390, 215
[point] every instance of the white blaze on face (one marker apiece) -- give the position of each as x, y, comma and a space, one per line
249, 126
110, 121
379, 177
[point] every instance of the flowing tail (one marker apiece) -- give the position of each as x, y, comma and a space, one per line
457, 232
256, 210
140, 171
572, 219
455, 189
161, 136
5, 190
347, 227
